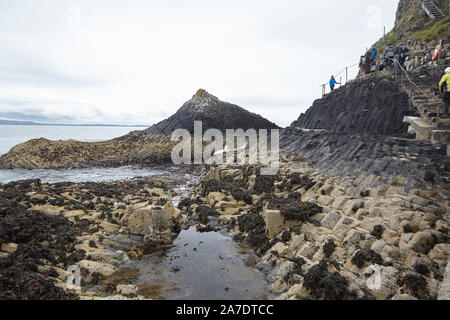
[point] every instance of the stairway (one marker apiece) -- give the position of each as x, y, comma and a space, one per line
427, 124
432, 10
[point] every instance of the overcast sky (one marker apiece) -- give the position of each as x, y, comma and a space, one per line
138, 61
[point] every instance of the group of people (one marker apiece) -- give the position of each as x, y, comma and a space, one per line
443, 89
399, 54
391, 53
367, 63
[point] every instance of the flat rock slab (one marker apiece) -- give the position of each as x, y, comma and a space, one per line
444, 292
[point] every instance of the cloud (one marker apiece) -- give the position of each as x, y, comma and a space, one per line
138, 61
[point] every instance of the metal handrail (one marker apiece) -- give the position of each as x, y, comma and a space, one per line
338, 74
417, 87
412, 82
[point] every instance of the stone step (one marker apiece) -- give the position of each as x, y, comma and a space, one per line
421, 128
440, 136
444, 122
432, 109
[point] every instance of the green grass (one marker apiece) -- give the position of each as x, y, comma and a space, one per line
434, 30
416, 27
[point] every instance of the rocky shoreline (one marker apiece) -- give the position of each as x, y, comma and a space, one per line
46, 228
135, 148
315, 235
320, 237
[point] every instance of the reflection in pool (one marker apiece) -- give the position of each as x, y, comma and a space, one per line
202, 266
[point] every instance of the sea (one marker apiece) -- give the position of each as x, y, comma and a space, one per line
11, 135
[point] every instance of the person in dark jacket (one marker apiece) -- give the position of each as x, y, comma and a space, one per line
333, 82
368, 58
402, 54
362, 66
389, 55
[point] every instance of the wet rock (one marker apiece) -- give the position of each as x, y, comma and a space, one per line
122, 276
267, 263
9, 247
416, 284
444, 291
294, 210
382, 284
422, 242
105, 269
361, 257
128, 290
30, 286
159, 240
295, 181
329, 248
281, 271
354, 237
440, 253
150, 219
330, 220
377, 231
264, 184
203, 228
236, 190
326, 285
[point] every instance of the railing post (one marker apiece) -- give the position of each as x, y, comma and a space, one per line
346, 74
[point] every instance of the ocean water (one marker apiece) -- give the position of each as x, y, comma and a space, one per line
13, 135
83, 175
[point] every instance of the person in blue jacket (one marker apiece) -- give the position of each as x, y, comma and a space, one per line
333, 82
374, 53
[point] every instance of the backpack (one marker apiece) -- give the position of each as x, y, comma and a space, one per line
390, 52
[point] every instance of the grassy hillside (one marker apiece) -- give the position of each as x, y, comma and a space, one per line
413, 25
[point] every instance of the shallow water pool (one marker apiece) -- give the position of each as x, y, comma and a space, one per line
202, 266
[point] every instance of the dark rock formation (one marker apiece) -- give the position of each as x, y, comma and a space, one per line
368, 154
373, 105
213, 113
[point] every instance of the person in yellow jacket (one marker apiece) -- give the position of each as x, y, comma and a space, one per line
443, 89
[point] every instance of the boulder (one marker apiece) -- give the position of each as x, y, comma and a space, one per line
422, 242
105, 269
275, 222
153, 218
330, 220
127, 290
9, 247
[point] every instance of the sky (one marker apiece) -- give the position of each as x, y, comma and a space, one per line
137, 61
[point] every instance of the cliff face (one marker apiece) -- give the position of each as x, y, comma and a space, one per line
408, 8
213, 113
373, 105
414, 28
